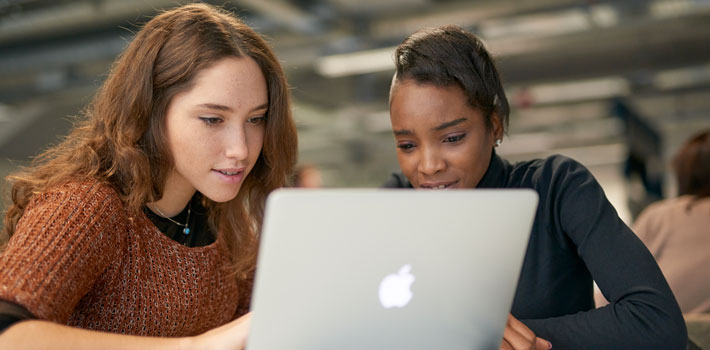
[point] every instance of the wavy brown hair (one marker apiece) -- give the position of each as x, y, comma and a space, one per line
120, 140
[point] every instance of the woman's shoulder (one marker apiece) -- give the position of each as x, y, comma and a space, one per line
82, 188
555, 162
680, 206
550, 170
664, 205
88, 193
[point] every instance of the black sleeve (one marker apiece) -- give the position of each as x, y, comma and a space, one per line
643, 313
11, 313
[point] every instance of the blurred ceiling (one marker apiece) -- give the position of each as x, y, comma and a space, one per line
561, 60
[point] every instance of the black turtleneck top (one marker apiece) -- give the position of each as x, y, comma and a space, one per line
577, 237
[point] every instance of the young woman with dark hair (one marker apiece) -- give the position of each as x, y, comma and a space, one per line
139, 230
449, 112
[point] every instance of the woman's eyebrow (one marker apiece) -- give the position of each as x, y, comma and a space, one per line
402, 132
263, 106
445, 125
215, 106
220, 107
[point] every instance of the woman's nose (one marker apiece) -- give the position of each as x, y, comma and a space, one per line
431, 162
235, 144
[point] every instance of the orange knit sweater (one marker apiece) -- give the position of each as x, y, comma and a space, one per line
79, 259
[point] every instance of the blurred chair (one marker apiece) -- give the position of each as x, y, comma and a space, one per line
698, 330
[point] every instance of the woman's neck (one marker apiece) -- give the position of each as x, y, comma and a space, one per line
176, 194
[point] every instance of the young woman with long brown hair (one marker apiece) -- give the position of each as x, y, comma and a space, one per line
140, 229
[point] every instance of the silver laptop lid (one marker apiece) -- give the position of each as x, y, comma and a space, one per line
388, 269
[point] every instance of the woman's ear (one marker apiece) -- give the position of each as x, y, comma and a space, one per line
496, 127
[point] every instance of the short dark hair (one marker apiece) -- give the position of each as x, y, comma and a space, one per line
692, 166
449, 55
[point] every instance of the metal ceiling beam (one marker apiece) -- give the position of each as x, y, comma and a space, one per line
646, 46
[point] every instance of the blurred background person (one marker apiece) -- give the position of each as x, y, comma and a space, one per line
307, 176
643, 167
677, 230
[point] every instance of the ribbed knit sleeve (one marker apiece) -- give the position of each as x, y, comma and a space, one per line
64, 241
245, 291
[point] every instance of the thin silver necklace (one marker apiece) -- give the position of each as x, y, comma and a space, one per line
186, 229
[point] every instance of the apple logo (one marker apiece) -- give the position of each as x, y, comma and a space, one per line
395, 289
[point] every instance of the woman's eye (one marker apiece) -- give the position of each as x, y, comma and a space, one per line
211, 120
405, 146
454, 138
257, 120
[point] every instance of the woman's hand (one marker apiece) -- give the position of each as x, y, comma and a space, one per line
231, 336
518, 336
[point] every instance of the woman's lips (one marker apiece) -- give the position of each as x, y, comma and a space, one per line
438, 185
230, 175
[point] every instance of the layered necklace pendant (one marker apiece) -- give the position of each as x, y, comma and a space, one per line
185, 226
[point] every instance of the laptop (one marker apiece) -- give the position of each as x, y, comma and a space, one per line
388, 268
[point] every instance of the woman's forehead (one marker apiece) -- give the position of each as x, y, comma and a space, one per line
429, 104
